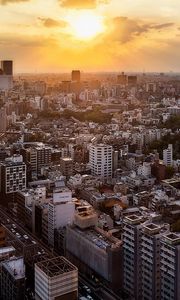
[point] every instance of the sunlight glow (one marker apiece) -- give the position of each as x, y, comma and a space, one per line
86, 25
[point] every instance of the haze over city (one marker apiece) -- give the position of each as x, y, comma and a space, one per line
90, 35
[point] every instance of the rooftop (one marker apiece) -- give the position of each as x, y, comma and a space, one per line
99, 237
56, 266
134, 219
15, 266
172, 238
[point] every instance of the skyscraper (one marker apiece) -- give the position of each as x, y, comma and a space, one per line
7, 67
76, 75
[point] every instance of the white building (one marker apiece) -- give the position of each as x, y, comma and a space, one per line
168, 155
56, 278
61, 211
100, 158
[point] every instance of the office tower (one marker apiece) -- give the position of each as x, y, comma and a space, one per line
101, 160
132, 80
12, 175
13, 279
170, 267
67, 166
132, 255
150, 260
56, 278
61, 211
168, 155
3, 119
7, 67
122, 79
76, 75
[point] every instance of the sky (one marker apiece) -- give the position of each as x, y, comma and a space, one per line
91, 35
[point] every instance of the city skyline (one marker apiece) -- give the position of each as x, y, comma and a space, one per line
90, 35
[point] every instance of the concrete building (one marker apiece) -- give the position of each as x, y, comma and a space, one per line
12, 175
55, 279
67, 166
37, 156
132, 255
60, 212
26, 205
168, 156
170, 267
13, 279
101, 160
3, 119
150, 260
95, 251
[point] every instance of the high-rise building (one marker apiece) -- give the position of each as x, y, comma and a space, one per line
76, 75
150, 261
122, 79
13, 279
132, 255
60, 212
101, 160
170, 267
6, 75
56, 278
132, 80
168, 155
7, 67
3, 119
12, 175
37, 156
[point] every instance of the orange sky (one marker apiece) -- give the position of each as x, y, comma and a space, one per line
104, 35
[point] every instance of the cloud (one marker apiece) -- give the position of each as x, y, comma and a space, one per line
48, 22
125, 29
8, 40
4, 2
82, 4
162, 26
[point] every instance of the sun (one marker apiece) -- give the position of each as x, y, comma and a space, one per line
86, 25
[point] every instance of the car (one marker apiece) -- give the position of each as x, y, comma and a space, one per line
89, 297
34, 242
25, 236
